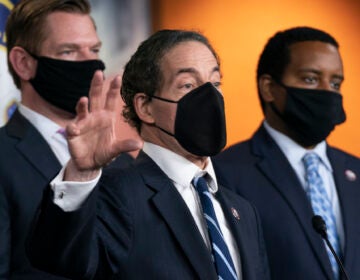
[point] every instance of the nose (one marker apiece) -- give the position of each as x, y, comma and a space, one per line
325, 85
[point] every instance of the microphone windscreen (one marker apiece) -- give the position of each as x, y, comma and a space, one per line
319, 224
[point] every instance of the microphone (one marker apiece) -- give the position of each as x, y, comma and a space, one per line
320, 227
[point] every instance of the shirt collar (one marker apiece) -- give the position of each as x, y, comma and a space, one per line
45, 126
293, 150
180, 170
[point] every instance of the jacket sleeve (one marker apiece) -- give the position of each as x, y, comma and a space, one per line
61, 242
81, 244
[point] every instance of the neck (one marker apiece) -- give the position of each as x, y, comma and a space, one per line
156, 136
282, 128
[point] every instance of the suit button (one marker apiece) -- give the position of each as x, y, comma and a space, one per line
61, 195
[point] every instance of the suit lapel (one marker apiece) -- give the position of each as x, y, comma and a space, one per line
349, 193
177, 216
238, 229
274, 165
33, 146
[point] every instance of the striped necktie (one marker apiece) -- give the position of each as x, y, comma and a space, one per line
220, 252
321, 205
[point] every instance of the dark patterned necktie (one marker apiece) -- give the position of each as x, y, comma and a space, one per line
221, 256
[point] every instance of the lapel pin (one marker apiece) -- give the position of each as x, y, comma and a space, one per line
235, 213
350, 175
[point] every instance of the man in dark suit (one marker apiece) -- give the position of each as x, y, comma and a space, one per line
32, 148
299, 76
146, 221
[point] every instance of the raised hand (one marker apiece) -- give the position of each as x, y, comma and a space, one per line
92, 135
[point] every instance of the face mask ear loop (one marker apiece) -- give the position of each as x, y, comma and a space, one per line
32, 54
163, 130
163, 99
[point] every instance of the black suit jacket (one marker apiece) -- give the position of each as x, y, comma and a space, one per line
27, 165
135, 225
259, 171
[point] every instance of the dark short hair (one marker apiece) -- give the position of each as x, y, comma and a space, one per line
276, 54
143, 74
26, 28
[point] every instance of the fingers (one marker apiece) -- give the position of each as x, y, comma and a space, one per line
82, 108
113, 94
72, 131
82, 111
97, 98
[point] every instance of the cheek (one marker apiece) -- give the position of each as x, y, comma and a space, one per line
165, 116
280, 98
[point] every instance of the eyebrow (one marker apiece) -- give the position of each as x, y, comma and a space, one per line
76, 46
194, 71
97, 45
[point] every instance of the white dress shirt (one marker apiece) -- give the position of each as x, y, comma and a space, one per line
50, 131
181, 172
294, 154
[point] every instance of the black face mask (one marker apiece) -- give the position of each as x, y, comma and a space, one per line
62, 83
200, 126
311, 114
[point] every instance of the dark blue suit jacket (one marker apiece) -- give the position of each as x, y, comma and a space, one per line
27, 165
135, 225
259, 171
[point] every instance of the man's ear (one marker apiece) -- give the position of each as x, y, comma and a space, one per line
23, 63
142, 107
266, 84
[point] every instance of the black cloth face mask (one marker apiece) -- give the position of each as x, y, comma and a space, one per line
200, 125
311, 114
62, 83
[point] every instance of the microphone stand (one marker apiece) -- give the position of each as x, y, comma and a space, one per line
320, 227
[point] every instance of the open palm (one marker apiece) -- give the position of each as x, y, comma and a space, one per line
92, 135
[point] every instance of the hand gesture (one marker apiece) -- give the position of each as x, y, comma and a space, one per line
92, 135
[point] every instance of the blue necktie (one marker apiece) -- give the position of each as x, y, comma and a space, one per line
321, 205
221, 256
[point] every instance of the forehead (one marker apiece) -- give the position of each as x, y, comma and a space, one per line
315, 55
190, 54
64, 27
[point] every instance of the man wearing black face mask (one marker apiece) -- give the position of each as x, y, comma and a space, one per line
164, 217
52, 55
292, 172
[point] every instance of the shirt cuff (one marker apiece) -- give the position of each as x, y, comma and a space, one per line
70, 195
